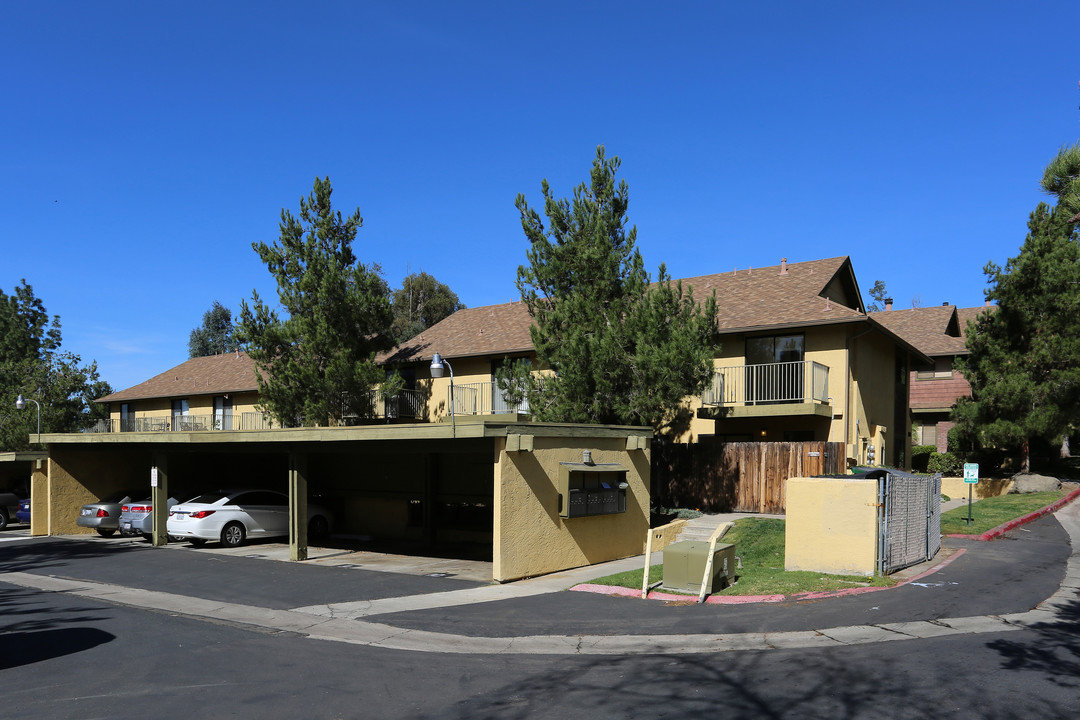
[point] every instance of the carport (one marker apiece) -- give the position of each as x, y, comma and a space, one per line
542, 496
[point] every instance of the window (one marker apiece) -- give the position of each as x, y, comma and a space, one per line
942, 368
223, 412
127, 417
774, 370
179, 414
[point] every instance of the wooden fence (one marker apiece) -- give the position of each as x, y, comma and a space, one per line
737, 477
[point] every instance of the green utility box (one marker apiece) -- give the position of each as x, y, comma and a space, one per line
684, 566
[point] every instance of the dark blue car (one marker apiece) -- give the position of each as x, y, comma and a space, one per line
23, 513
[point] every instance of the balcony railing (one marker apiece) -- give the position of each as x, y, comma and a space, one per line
484, 398
769, 384
409, 404
186, 423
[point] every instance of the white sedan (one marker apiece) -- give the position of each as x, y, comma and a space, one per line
233, 517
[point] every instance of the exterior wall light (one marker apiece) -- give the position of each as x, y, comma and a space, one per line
437, 371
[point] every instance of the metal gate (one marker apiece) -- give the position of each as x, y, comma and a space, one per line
910, 520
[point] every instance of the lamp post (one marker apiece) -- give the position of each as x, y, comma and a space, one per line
437, 364
20, 403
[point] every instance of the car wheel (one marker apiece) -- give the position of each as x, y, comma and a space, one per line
3, 518
232, 535
106, 532
318, 527
196, 542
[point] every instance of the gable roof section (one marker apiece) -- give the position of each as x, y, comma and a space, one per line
790, 295
211, 375
935, 331
488, 330
818, 292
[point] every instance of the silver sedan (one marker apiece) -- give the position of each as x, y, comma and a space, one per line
104, 515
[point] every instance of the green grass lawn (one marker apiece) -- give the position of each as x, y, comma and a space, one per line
988, 513
759, 542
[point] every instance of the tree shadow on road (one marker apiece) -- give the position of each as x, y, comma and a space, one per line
1055, 652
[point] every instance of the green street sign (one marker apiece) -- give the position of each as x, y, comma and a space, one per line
971, 473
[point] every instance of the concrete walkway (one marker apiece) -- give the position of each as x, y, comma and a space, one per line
344, 622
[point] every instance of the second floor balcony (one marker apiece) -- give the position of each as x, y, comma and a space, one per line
484, 398
758, 389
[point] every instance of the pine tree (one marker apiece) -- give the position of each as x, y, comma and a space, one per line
317, 365
1062, 180
622, 351
1024, 364
419, 303
216, 334
33, 365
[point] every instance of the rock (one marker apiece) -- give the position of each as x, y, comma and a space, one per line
1030, 483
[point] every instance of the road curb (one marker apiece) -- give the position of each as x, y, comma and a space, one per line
751, 599
1000, 530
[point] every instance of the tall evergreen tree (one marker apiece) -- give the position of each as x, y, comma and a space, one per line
317, 365
33, 365
879, 295
1062, 180
1024, 364
419, 303
623, 351
216, 334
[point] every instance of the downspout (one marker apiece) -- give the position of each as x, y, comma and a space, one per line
849, 401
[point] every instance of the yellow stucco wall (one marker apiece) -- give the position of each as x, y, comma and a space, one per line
831, 525
39, 498
198, 405
77, 477
530, 536
956, 488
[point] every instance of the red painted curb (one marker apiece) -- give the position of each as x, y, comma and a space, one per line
750, 599
1013, 524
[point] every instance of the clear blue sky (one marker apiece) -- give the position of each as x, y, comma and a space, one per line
146, 145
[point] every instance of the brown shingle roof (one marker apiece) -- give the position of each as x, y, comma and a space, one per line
210, 375
808, 293
488, 330
936, 331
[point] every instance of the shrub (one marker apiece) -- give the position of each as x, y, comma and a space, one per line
920, 456
945, 463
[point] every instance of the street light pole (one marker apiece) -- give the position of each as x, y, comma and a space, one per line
20, 403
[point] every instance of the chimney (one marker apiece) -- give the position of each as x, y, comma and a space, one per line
888, 303
783, 266
945, 304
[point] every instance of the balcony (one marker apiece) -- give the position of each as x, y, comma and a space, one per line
186, 423
407, 405
484, 398
787, 388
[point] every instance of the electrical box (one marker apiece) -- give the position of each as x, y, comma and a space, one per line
684, 566
587, 489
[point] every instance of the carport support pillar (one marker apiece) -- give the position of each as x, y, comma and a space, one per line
298, 512
159, 496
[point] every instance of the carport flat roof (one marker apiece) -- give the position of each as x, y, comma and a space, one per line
469, 427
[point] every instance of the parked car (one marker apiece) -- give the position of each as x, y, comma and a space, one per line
23, 513
137, 518
9, 506
104, 515
234, 516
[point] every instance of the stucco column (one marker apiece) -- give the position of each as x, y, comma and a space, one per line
39, 494
159, 497
298, 512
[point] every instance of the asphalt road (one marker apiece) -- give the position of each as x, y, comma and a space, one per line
68, 656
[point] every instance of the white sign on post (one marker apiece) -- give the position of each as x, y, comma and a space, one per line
153, 477
971, 473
